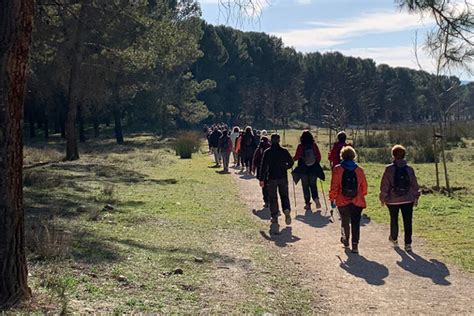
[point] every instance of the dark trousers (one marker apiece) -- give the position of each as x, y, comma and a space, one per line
310, 189
407, 214
275, 187
350, 220
265, 194
248, 161
225, 159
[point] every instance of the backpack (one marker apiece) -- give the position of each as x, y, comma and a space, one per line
401, 181
349, 183
248, 140
309, 157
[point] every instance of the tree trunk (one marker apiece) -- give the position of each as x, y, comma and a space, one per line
118, 126
82, 132
31, 125
72, 152
16, 19
46, 127
95, 122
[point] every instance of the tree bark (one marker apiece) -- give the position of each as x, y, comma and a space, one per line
16, 18
95, 122
82, 132
118, 125
31, 125
72, 152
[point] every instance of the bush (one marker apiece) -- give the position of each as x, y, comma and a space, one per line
48, 242
372, 140
186, 144
378, 155
421, 154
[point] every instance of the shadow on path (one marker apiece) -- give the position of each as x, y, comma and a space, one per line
435, 270
263, 213
284, 238
372, 272
313, 219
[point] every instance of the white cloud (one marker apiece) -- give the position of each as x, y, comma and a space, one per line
326, 34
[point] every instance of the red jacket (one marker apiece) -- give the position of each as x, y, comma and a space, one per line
335, 153
335, 194
300, 152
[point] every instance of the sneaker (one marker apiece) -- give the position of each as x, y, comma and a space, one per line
318, 204
287, 217
307, 206
408, 248
355, 248
394, 242
345, 242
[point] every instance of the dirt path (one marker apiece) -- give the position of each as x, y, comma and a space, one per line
378, 280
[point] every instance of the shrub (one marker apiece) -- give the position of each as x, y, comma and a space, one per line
421, 154
378, 155
186, 144
48, 242
372, 140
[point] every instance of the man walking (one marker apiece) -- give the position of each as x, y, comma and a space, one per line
274, 174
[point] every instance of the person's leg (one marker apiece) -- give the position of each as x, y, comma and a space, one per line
285, 199
272, 186
313, 185
407, 214
306, 193
226, 158
265, 195
393, 209
344, 211
355, 214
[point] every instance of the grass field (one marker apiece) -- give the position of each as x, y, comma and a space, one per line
175, 238
446, 223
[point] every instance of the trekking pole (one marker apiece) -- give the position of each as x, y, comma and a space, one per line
324, 197
294, 194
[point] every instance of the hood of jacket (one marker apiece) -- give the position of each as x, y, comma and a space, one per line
349, 165
400, 163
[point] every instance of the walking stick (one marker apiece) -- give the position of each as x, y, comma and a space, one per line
324, 197
294, 193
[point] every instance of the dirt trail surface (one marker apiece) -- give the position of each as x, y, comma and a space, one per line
380, 279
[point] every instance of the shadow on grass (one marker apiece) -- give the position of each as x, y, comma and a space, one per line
433, 269
372, 272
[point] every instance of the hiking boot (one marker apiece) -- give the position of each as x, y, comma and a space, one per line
345, 242
394, 242
274, 228
266, 205
355, 248
307, 206
318, 204
287, 217
408, 248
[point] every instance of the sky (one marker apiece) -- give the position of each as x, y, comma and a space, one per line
375, 29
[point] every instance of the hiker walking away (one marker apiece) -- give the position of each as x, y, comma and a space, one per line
225, 148
274, 174
334, 155
214, 144
348, 191
257, 162
309, 168
247, 148
235, 134
399, 190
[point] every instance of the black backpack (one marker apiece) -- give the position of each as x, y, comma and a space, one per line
401, 181
349, 183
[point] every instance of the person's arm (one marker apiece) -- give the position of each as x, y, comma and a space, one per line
256, 159
335, 184
264, 166
299, 152
289, 160
363, 184
331, 155
384, 186
415, 188
317, 152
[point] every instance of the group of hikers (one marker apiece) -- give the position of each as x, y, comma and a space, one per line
257, 153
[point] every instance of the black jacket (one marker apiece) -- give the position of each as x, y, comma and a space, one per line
275, 163
214, 138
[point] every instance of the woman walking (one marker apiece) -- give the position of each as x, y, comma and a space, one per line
235, 134
247, 148
399, 190
348, 191
309, 169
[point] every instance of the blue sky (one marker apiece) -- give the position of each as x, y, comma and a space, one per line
374, 29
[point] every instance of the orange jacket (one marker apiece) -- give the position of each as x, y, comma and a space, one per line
335, 194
